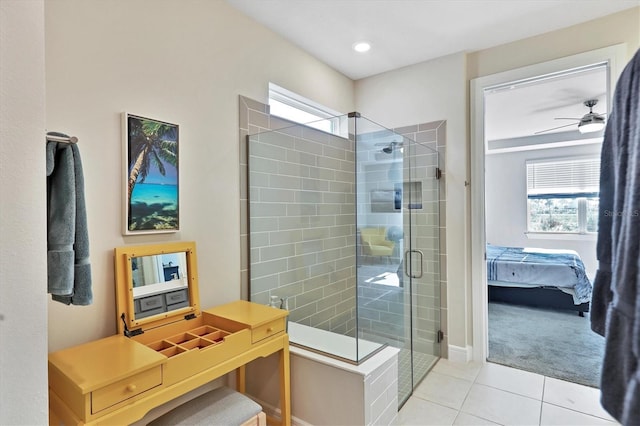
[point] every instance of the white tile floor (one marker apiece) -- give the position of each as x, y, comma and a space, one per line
492, 394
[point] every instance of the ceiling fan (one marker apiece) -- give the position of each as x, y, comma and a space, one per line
590, 122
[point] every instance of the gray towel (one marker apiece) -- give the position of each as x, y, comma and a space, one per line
616, 296
68, 267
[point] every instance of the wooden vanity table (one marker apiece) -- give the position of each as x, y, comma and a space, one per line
154, 359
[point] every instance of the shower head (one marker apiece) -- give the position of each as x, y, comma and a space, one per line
391, 147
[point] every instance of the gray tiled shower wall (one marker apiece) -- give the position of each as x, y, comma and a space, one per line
302, 225
308, 225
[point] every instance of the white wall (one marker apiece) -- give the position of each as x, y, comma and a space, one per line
184, 62
621, 27
23, 252
506, 202
430, 91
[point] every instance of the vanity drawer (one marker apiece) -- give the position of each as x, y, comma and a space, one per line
151, 302
125, 389
266, 330
176, 297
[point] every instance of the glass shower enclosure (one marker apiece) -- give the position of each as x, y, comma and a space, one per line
343, 232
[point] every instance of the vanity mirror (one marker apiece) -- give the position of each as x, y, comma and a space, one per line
155, 284
153, 274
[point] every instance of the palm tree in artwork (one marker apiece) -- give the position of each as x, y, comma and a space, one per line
150, 143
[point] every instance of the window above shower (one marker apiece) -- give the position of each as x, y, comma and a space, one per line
293, 107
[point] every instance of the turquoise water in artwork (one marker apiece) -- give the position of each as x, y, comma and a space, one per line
151, 193
154, 206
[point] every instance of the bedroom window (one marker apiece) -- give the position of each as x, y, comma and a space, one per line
291, 106
562, 195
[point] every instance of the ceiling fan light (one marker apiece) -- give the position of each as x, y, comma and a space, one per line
591, 127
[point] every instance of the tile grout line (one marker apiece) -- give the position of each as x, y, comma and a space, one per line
473, 382
544, 386
510, 392
568, 408
581, 412
541, 399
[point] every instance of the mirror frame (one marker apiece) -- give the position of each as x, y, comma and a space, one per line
124, 285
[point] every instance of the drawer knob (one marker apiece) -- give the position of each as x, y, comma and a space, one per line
131, 387
269, 330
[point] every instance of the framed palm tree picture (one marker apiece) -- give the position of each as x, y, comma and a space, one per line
151, 202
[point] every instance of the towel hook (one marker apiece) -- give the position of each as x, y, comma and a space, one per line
63, 139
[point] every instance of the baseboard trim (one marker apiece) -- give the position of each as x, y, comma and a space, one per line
460, 354
273, 414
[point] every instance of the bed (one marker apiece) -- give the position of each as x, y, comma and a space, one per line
538, 277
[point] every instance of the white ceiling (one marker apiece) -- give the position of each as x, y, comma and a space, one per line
406, 32
540, 106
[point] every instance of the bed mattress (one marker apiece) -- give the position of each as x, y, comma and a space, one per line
534, 267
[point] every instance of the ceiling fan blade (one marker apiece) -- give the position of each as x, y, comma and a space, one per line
567, 118
555, 128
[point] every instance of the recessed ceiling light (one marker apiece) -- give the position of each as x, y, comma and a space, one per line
361, 46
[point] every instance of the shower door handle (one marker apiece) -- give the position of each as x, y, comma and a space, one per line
406, 268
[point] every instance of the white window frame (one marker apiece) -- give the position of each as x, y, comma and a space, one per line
310, 113
580, 185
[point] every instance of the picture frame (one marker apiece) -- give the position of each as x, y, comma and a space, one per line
151, 184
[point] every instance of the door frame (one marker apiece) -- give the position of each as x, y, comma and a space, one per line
614, 56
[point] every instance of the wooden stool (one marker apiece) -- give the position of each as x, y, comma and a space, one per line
222, 406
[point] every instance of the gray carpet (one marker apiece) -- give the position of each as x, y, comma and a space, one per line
552, 343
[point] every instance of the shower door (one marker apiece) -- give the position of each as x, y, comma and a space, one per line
421, 261
398, 248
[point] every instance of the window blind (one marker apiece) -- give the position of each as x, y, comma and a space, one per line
563, 178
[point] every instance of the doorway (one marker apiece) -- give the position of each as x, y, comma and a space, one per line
540, 141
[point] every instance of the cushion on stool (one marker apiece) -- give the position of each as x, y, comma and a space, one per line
222, 406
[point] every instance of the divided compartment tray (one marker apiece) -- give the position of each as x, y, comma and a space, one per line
198, 338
